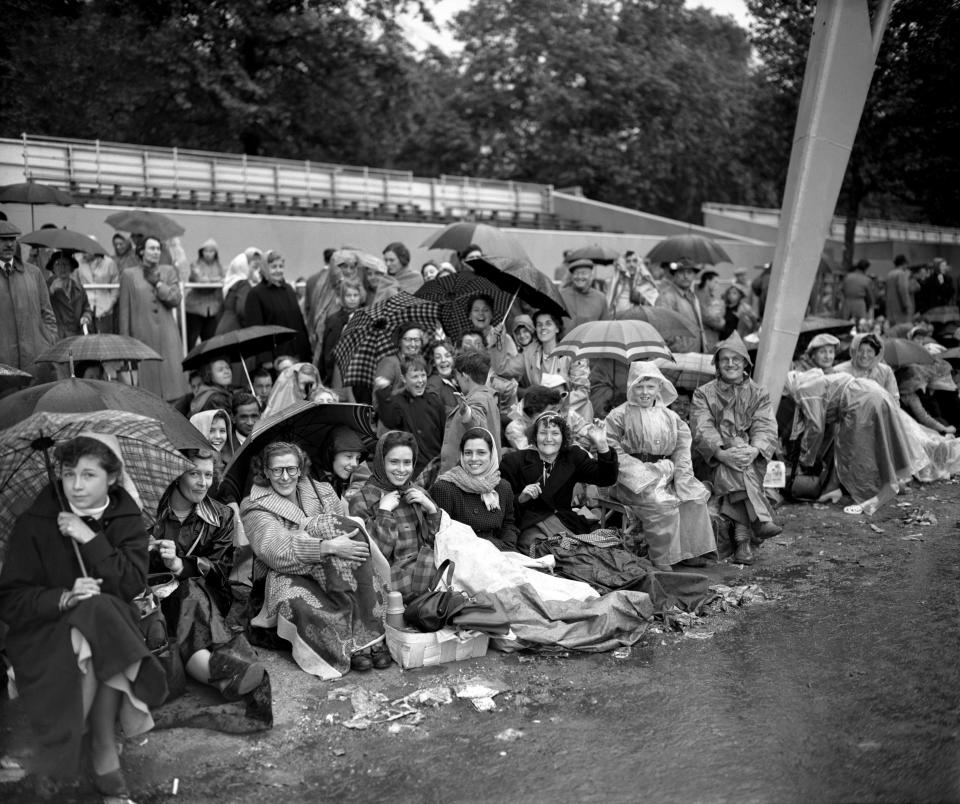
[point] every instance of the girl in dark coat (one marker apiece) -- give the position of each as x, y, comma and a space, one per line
543, 476
79, 658
351, 296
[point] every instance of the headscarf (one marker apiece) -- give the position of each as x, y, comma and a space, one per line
210, 243
378, 475
643, 369
526, 322
486, 484
871, 339
203, 421
239, 269
113, 444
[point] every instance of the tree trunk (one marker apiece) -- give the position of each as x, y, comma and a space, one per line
854, 197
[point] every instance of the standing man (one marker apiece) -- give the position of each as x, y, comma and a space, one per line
274, 301
900, 305
28, 324
584, 302
857, 292
676, 294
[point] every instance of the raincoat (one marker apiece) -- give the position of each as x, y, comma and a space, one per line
200, 301
653, 446
878, 371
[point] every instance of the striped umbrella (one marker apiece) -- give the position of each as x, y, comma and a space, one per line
624, 341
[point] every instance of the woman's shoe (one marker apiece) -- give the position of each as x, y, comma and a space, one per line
380, 655
361, 662
112, 787
236, 664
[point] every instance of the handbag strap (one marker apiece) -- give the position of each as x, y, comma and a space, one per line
447, 566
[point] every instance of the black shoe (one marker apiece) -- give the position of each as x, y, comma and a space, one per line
766, 530
696, 561
380, 655
361, 662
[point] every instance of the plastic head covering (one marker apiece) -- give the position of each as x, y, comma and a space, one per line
111, 442
871, 339
734, 344
643, 369
378, 463
286, 390
524, 321
209, 243
204, 420
823, 339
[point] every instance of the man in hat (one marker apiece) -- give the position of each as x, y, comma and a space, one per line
28, 325
677, 295
584, 302
734, 435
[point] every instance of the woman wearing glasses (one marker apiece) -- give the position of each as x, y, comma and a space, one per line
320, 590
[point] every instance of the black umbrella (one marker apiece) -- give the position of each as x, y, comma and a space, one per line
236, 345
520, 278
306, 423
697, 248
82, 396
99, 348
11, 377
491, 240
146, 222
63, 240
32, 193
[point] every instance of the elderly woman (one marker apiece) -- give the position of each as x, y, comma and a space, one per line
734, 435
820, 353
400, 516
321, 592
656, 479
274, 301
866, 362
475, 494
543, 477
193, 540
76, 560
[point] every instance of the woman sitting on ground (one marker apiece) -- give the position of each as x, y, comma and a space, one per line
656, 473
194, 541
76, 560
543, 477
402, 518
320, 589
866, 362
474, 493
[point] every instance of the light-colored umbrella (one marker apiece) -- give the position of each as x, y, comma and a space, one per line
624, 341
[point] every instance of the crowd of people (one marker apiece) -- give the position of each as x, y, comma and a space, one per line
495, 434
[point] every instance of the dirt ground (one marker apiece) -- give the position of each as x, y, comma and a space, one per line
841, 686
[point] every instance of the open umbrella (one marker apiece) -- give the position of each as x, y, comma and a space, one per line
99, 348
308, 424
63, 240
624, 341
688, 370
152, 462
235, 346
145, 222
594, 252
899, 352
679, 333
522, 280
371, 334
32, 193
11, 377
491, 240
699, 249
454, 293
77, 396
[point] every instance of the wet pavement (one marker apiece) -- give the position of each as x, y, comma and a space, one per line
844, 688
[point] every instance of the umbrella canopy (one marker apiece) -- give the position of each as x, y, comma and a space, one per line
371, 334
624, 341
454, 293
99, 348
32, 193
308, 424
12, 377
235, 345
594, 252
699, 249
64, 240
521, 279
146, 222
491, 240
77, 396
152, 462
899, 352
679, 333
688, 370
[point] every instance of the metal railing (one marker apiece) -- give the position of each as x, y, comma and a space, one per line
108, 169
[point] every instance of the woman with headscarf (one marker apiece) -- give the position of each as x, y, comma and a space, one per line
396, 256
321, 592
475, 494
656, 479
543, 477
204, 304
76, 560
294, 384
67, 296
401, 517
216, 426
243, 273
866, 362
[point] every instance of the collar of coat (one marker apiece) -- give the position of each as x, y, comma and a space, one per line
206, 509
266, 498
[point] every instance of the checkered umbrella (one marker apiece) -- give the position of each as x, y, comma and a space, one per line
371, 334
455, 293
26, 450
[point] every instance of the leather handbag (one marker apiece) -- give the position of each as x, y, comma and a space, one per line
433, 609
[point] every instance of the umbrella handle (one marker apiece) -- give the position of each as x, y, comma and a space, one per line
61, 500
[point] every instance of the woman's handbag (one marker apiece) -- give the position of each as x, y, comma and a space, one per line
153, 626
433, 609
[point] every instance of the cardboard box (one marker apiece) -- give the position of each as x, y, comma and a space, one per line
415, 649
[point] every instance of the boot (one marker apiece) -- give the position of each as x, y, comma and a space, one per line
744, 553
766, 530
234, 668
